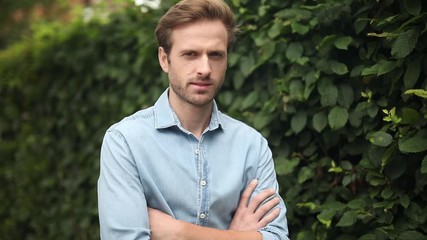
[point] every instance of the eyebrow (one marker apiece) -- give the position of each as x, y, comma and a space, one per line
209, 51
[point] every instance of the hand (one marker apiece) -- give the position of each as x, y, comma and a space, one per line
163, 226
250, 216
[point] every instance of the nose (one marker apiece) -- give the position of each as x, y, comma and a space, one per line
204, 67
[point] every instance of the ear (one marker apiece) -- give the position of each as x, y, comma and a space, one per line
163, 59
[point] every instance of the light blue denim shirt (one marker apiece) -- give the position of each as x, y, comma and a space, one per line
149, 160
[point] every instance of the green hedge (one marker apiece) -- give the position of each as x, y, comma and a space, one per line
338, 87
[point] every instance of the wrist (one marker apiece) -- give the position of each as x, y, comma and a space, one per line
182, 230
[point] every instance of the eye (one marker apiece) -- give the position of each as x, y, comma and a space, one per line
217, 55
189, 54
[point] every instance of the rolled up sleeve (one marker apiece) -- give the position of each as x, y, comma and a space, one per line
121, 200
266, 174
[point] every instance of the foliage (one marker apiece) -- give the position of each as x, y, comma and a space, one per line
337, 87
17, 14
59, 92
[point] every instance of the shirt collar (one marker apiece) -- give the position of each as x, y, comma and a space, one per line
165, 117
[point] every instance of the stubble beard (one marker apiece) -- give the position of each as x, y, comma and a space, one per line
181, 89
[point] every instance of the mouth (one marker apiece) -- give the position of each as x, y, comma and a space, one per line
200, 86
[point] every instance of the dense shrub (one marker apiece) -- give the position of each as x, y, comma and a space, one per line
338, 88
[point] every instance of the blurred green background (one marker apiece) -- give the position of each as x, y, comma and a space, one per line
338, 87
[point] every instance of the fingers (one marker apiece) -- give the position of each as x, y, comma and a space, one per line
258, 199
269, 218
244, 200
266, 207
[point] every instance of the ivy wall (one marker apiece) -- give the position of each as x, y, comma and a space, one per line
337, 86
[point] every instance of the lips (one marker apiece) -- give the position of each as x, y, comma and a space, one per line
200, 85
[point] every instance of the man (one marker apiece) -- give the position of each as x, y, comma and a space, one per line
181, 169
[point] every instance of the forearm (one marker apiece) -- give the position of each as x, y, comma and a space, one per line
195, 232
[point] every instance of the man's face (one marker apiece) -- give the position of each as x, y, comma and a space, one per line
197, 62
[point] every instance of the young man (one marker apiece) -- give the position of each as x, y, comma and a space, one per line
181, 169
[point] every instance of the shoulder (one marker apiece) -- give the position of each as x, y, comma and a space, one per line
135, 123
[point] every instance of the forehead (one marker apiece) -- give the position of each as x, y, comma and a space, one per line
200, 34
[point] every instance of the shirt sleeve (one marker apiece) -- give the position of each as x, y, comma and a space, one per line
121, 200
266, 175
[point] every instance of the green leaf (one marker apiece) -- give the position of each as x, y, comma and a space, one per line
298, 121
375, 178
357, 204
380, 68
305, 235
395, 166
310, 205
355, 118
326, 41
412, 6
299, 28
405, 201
343, 42
412, 73
286, 166
413, 235
418, 92
249, 100
360, 24
415, 144
405, 43
334, 205
296, 90
320, 121
311, 77
236, 3
275, 29
328, 92
337, 117
238, 80
383, 35
375, 154
247, 65
372, 110
347, 179
381, 139
346, 165
386, 193
267, 52
261, 120
294, 51
410, 116
338, 68
345, 95
325, 217
305, 174
424, 165
369, 236
233, 58
347, 219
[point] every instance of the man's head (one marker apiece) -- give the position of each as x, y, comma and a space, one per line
190, 11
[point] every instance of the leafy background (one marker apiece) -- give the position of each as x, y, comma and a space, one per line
338, 88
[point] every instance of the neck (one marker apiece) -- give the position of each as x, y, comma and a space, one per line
193, 118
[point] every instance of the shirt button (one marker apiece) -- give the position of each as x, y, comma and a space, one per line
202, 215
197, 151
203, 183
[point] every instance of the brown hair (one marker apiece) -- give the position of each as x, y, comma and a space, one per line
188, 11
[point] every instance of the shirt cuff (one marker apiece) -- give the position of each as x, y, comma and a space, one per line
269, 233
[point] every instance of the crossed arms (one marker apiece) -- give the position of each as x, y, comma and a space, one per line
249, 217
124, 212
